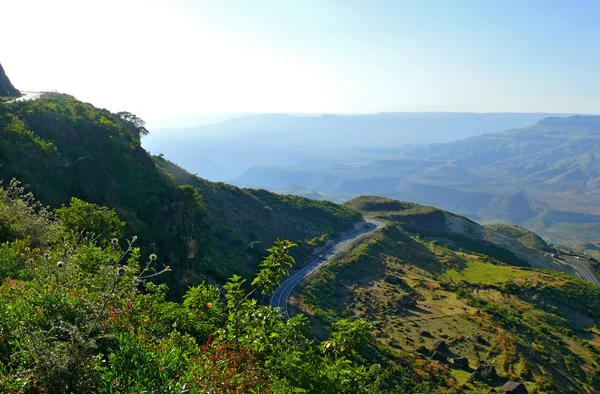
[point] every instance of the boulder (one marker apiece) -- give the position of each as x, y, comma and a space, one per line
484, 372
512, 387
440, 346
426, 334
423, 350
461, 362
439, 357
480, 340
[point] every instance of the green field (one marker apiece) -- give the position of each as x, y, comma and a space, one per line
485, 273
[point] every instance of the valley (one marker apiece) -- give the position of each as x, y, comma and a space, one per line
345, 277
543, 177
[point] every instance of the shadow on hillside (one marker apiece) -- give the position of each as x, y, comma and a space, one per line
416, 312
421, 255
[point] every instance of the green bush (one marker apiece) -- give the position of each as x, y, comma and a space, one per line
78, 315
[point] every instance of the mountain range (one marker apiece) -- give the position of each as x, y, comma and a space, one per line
545, 177
225, 150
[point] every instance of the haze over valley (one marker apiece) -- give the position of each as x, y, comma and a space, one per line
542, 174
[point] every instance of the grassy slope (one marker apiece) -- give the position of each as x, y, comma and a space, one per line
526, 237
538, 327
65, 148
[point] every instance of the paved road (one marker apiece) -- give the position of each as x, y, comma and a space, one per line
281, 296
583, 268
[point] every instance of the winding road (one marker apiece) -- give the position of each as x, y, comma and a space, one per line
583, 269
281, 296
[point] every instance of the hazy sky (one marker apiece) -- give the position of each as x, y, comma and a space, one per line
166, 58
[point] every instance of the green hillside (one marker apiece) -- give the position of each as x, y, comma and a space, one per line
78, 315
526, 237
63, 148
6, 87
433, 297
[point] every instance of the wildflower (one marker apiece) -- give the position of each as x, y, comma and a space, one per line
121, 271
60, 264
134, 238
114, 241
152, 257
209, 305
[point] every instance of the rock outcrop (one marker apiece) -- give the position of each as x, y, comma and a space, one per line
6, 87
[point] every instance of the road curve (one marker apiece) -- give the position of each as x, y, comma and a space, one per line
282, 295
583, 269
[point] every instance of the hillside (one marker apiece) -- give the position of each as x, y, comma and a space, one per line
526, 237
79, 315
457, 310
6, 87
544, 177
63, 148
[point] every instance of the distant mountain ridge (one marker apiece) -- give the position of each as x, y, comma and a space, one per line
6, 87
545, 177
300, 141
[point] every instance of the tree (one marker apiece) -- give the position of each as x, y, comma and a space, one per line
82, 216
138, 124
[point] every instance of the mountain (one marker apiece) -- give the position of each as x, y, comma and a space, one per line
80, 315
6, 87
62, 148
449, 300
316, 140
545, 177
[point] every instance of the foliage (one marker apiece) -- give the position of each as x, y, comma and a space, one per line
276, 266
102, 222
78, 315
62, 148
138, 126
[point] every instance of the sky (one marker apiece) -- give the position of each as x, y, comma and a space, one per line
163, 59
